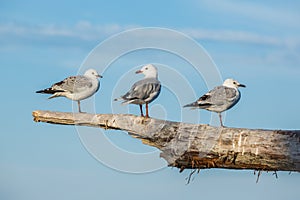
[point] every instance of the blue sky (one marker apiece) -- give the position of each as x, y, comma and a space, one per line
256, 42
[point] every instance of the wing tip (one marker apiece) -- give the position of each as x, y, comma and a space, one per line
194, 104
49, 91
39, 91
45, 91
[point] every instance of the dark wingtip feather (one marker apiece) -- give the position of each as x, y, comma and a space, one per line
40, 91
43, 91
47, 91
194, 104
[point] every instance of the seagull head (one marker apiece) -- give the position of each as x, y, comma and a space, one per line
150, 71
92, 73
232, 83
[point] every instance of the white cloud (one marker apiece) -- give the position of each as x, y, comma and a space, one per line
233, 36
85, 31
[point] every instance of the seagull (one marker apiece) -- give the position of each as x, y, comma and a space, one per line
220, 98
75, 88
145, 90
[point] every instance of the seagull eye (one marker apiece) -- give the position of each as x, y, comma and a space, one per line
234, 82
146, 68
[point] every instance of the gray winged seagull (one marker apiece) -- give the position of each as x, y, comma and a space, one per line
75, 88
145, 90
220, 98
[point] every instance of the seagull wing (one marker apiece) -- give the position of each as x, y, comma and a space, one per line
145, 90
218, 96
72, 84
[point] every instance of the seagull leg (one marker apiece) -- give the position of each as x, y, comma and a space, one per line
147, 113
220, 116
78, 102
141, 109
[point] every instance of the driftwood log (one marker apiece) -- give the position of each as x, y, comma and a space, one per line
194, 146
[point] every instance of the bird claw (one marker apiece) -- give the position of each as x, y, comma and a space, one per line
144, 119
106, 125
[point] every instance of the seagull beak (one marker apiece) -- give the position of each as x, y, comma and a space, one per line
99, 76
138, 71
241, 85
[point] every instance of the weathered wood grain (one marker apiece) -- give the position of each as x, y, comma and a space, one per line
197, 146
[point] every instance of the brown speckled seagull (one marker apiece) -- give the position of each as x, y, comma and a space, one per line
75, 88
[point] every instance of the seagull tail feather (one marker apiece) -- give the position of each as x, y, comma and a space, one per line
124, 101
54, 95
